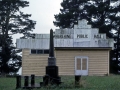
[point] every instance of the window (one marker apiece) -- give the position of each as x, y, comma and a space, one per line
39, 51
33, 51
46, 51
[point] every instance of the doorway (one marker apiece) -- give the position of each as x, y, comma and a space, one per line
81, 65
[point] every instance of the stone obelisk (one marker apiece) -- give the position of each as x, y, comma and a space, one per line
51, 76
51, 58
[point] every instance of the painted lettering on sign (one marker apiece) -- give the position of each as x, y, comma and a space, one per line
68, 36
82, 36
97, 36
62, 36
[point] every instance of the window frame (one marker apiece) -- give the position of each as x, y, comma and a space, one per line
43, 51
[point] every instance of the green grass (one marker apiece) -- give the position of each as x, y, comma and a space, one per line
87, 83
7, 83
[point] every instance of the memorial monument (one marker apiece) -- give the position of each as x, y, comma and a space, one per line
51, 76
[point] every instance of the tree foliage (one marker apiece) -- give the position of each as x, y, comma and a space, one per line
13, 21
102, 14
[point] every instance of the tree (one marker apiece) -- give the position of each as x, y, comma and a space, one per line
70, 13
99, 13
13, 21
115, 60
102, 14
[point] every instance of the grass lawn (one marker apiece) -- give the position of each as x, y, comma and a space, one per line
87, 83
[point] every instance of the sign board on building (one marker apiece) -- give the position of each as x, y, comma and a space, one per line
82, 35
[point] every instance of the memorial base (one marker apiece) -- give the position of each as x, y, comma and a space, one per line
51, 76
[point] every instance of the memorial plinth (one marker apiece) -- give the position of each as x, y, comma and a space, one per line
51, 76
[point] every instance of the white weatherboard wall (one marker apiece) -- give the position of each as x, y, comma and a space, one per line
81, 36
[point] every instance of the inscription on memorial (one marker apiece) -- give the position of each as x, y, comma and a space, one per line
51, 62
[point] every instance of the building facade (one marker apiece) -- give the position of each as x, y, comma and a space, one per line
78, 51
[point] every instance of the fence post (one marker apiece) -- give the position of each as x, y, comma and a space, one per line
26, 81
18, 81
32, 80
77, 80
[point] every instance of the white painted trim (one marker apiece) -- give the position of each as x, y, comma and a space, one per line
29, 51
81, 63
75, 64
22, 61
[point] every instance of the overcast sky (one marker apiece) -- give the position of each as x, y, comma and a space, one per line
43, 13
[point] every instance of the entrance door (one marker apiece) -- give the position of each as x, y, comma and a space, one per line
81, 65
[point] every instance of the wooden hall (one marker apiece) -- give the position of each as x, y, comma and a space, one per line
78, 51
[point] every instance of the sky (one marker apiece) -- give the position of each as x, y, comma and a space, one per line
42, 12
